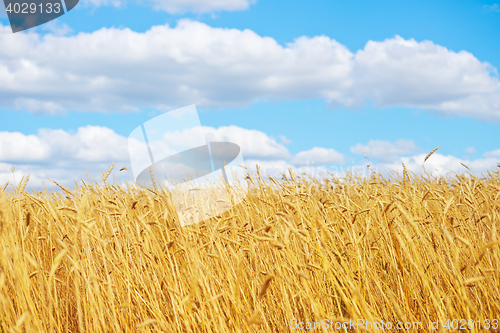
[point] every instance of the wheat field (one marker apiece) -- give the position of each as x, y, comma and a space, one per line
298, 250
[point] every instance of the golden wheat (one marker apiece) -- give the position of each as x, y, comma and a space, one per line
113, 258
429, 155
106, 175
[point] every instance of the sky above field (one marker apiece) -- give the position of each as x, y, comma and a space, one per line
312, 85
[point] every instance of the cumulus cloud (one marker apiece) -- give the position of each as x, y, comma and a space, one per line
22, 148
253, 143
439, 165
69, 156
90, 143
385, 150
399, 72
389, 159
318, 156
65, 156
61, 155
493, 153
116, 70
121, 70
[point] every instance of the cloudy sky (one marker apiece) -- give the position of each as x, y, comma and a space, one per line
314, 85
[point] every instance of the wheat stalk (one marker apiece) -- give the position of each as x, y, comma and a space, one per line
65, 189
432, 152
106, 175
405, 174
23, 183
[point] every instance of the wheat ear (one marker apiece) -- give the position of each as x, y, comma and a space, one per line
106, 175
432, 152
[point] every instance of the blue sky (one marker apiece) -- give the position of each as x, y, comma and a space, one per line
317, 82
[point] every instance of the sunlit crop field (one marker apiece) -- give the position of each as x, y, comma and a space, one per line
105, 258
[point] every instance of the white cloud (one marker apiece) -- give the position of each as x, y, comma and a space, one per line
493, 153
65, 156
399, 72
60, 155
470, 150
384, 150
253, 143
318, 156
23, 148
90, 144
120, 70
438, 164
68, 156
